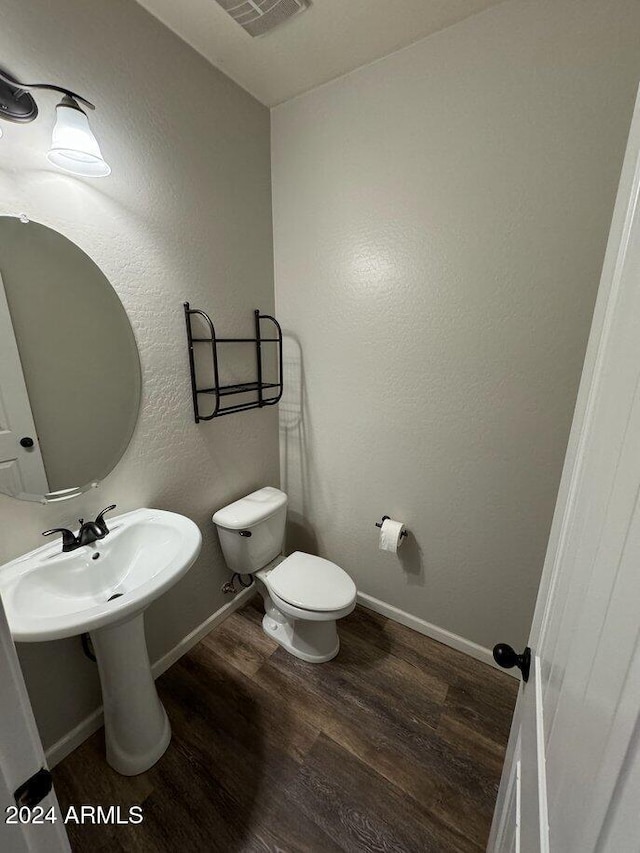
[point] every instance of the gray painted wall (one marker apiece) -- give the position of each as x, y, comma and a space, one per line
186, 214
440, 219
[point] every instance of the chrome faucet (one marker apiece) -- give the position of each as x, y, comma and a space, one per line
90, 531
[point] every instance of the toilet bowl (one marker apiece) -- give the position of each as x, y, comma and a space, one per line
303, 595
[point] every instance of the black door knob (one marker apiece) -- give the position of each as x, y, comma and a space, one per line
26, 441
507, 658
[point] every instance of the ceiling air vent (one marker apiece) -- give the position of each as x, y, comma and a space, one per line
257, 17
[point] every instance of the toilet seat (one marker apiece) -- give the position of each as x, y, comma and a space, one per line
312, 584
299, 614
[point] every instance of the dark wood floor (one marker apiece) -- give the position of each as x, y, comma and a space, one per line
396, 745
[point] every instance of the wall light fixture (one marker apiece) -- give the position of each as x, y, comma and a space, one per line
74, 148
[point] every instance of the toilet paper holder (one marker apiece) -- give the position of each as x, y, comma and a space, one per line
384, 518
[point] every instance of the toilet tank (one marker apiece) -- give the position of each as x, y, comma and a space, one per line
251, 530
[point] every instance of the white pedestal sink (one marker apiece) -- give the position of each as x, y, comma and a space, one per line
103, 588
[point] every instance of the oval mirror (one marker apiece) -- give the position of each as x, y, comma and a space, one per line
69, 367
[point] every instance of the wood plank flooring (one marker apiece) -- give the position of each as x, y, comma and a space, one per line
396, 745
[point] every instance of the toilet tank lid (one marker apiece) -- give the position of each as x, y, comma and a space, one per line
254, 508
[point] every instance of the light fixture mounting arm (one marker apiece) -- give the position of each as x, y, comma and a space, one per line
51, 88
14, 90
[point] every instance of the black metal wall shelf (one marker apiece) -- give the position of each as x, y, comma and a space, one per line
218, 391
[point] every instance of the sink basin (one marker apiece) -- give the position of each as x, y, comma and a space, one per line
49, 595
103, 588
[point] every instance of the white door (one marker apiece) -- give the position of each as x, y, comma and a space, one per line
21, 468
22, 756
571, 782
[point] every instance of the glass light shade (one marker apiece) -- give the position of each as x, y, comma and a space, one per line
74, 148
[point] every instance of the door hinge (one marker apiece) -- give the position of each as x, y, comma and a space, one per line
35, 789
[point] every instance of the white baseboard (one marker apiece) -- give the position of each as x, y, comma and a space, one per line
67, 743
429, 630
201, 631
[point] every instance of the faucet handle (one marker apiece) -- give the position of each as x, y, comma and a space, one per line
102, 524
69, 541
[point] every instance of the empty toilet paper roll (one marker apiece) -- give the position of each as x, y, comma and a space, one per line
391, 535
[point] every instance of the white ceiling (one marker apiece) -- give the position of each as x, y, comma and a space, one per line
330, 38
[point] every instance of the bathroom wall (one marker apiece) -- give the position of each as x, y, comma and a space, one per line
440, 220
186, 214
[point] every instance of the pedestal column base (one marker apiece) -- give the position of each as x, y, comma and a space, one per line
137, 730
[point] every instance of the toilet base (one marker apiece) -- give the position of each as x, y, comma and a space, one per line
309, 635
313, 642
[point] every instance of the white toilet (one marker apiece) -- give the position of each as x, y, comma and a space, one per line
303, 595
